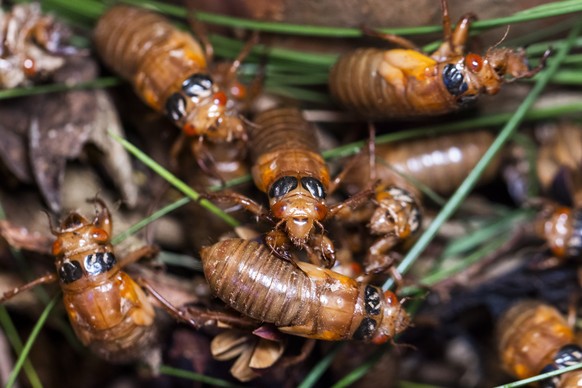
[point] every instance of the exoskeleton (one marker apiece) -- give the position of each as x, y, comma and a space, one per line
397, 218
534, 338
561, 228
32, 45
559, 159
170, 72
394, 217
288, 167
441, 163
108, 310
406, 83
301, 299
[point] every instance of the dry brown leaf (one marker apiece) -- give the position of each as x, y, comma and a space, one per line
57, 127
228, 345
266, 353
253, 353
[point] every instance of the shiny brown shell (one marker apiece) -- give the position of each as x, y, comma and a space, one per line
559, 154
561, 228
283, 142
169, 72
108, 311
529, 335
357, 84
287, 166
136, 44
300, 299
405, 83
440, 162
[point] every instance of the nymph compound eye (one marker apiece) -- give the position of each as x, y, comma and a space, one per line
99, 262
176, 107
283, 186
198, 85
314, 186
454, 80
70, 271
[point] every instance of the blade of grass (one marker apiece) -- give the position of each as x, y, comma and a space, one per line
174, 181
179, 260
556, 8
467, 261
99, 83
500, 225
541, 34
574, 59
540, 47
317, 371
361, 371
320, 59
540, 377
148, 220
14, 339
184, 374
567, 77
170, 208
86, 8
26, 350
297, 79
301, 94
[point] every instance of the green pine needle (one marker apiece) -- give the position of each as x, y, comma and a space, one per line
31, 339
174, 181
184, 374
16, 343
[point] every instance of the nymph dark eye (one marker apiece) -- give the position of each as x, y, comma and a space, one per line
568, 355
197, 85
70, 271
99, 262
314, 186
454, 80
283, 186
175, 107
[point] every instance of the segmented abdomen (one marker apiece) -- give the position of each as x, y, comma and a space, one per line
146, 49
249, 279
283, 142
356, 83
535, 338
113, 318
300, 299
281, 129
441, 163
125, 342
